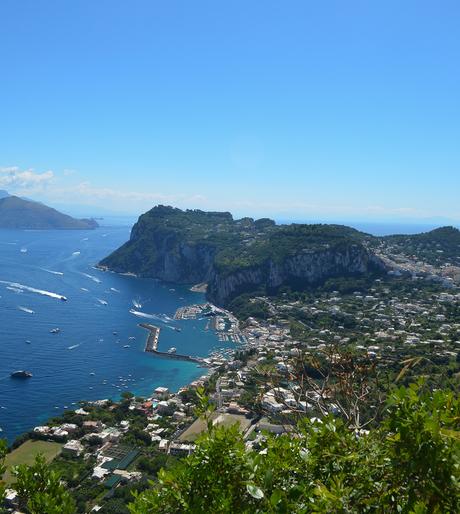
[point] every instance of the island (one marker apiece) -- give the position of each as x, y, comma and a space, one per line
19, 213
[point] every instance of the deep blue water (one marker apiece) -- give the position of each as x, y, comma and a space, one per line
62, 262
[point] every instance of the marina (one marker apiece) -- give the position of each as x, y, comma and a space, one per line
58, 326
151, 346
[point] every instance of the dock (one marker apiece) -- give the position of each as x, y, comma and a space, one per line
151, 345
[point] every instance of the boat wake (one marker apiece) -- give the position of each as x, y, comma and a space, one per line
158, 317
137, 304
22, 288
26, 309
92, 277
14, 289
52, 272
73, 347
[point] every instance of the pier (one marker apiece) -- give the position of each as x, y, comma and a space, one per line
151, 345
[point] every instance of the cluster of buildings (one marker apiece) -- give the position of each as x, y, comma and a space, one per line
256, 386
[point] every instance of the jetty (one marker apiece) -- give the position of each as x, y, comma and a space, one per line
151, 345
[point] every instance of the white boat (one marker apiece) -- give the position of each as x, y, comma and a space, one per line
172, 350
127, 346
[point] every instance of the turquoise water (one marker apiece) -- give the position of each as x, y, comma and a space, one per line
85, 361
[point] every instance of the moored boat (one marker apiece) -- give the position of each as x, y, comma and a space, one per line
21, 374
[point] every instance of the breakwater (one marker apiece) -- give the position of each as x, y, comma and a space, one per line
151, 345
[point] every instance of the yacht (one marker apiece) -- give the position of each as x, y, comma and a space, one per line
21, 374
172, 350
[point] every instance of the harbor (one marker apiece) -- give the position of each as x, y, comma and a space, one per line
151, 345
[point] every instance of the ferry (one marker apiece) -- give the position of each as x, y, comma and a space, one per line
172, 350
21, 374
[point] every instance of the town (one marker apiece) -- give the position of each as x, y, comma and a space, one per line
407, 320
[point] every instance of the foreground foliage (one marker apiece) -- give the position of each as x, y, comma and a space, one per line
40, 490
410, 464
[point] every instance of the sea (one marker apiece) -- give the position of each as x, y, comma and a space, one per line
99, 350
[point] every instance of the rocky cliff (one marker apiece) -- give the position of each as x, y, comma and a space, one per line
302, 269
239, 256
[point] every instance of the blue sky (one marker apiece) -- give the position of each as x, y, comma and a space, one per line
295, 109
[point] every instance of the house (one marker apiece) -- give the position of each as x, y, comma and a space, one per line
179, 415
99, 472
110, 434
73, 447
124, 426
163, 445
181, 448
42, 430
269, 403
164, 407
162, 393
92, 426
69, 427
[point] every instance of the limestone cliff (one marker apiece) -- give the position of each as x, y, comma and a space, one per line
238, 256
302, 269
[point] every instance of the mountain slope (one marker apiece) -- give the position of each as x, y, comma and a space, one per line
436, 247
238, 256
17, 213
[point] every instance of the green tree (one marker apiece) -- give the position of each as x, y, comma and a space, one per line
40, 489
410, 464
3, 450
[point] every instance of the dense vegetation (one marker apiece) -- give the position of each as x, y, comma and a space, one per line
409, 464
234, 244
40, 490
435, 247
196, 246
